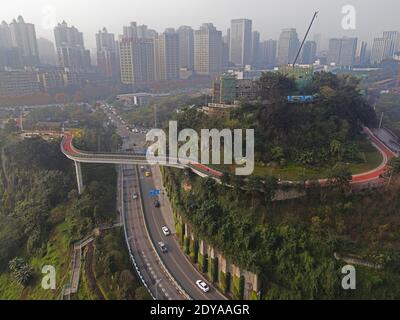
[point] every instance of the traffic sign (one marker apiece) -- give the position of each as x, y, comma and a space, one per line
155, 192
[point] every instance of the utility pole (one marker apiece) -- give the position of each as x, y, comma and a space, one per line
21, 120
380, 123
305, 37
390, 178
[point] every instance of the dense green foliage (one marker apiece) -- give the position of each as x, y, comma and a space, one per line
291, 244
77, 114
113, 269
315, 133
311, 135
389, 105
36, 180
164, 107
42, 215
21, 271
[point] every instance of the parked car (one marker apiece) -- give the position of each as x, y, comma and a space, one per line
157, 204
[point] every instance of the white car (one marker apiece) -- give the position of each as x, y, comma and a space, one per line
203, 286
166, 231
134, 196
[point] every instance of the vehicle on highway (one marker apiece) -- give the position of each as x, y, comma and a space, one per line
147, 174
135, 196
202, 285
157, 204
163, 247
166, 231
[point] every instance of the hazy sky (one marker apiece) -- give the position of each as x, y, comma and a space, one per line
269, 16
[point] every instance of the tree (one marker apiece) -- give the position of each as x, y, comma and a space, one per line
253, 187
225, 179
394, 168
194, 119
340, 175
277, 153
269, 189
116, 142
275, 86
336, 149
395, 165
10, 126
237, 183
141, 293
21, 271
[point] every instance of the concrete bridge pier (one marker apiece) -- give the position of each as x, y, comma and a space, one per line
79, 178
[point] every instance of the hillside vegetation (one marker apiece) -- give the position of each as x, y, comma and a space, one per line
291, 244
301, 140
42, 215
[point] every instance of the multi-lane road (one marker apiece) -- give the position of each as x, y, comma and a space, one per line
140, 246
175, 260
145, 245
173, 273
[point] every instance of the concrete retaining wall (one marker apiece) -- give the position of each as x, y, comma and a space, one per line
229, 278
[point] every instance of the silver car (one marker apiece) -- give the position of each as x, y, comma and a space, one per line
166, 231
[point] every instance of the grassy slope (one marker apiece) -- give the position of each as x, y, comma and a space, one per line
372, 159
58, 255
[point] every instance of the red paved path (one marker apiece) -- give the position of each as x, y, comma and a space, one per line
357, 179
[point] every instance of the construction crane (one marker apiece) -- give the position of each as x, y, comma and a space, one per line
305, 37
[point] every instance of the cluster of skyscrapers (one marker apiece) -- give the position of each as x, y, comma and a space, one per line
205, 51
385, 47
18, 44
141, 55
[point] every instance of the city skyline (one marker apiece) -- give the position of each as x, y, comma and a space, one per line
139, 54
269, 23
